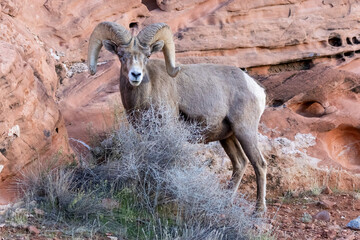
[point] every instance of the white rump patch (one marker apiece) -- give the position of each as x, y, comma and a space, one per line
1, 168
257, 90
15, 130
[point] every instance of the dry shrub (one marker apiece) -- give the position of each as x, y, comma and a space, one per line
202, 199
56, 189
160, 165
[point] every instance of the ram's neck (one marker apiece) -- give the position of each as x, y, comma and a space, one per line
157, 88
135, 98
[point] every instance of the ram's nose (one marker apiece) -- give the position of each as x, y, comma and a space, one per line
136, 74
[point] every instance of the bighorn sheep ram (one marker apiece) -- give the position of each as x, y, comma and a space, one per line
228, 100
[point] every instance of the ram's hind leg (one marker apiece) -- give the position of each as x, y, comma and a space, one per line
238, 159
249, 143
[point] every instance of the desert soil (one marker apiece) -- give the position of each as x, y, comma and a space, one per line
288, 222
285, 219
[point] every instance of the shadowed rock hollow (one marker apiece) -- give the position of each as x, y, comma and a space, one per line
312, 126
343, 145
312, 120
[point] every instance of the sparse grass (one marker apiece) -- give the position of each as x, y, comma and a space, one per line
19, 217
336, 190
315, 191
161, 187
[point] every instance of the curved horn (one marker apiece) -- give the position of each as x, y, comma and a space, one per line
105, 30
156, 32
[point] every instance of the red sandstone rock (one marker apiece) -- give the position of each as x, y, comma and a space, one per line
337, 131
241, 33
88, 103
313, 147
65, 26
327, 204
31, 122
31, 125
177, 5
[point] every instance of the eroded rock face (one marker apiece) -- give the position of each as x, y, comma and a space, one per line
31, 125
89, 104
66, 25
312, 124
177, 5
263, 33
343, 145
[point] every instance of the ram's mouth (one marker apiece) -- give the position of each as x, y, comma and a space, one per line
135, 83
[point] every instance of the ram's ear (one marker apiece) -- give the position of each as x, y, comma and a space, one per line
157, 46
110, 46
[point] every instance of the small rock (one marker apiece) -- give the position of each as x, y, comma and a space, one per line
326, 204
323, 216
33, 230
354, 224
327, 190
112, 238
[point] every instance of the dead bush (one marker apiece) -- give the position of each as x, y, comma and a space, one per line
158, 177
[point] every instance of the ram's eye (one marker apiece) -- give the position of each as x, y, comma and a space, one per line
122, 58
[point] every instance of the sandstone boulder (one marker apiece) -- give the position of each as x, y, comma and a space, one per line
313, 147
31, 125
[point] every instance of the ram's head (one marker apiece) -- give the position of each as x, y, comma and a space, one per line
133, 51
